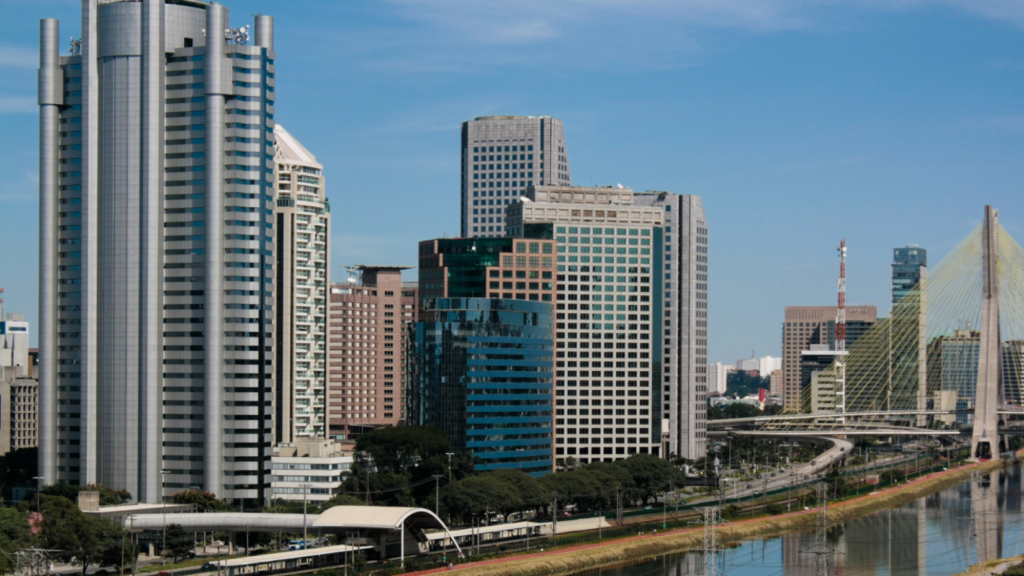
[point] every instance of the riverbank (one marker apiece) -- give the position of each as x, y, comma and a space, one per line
574, 559
993, 567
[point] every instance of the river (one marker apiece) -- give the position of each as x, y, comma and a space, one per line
938, 535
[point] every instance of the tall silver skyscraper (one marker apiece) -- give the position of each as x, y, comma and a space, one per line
156, 251
501, 156
686, 319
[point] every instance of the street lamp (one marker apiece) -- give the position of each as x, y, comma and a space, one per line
39, 487
163, 507
437, 495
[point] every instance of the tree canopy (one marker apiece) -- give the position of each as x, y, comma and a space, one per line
396, 449
203, 500
82, 539
108, 496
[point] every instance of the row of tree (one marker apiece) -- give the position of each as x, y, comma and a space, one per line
53, 521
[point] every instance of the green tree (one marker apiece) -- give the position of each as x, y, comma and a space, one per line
734, 410
474, 495
108, 496
203, 500
342, 500
396, 449
651, 475
17, 469
179, 542
14, 535
82, 539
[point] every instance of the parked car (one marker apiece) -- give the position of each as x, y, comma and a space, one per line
750, 485
773, 474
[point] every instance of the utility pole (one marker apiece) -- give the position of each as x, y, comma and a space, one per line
304, 541
710, 546
437, 495
618, 506
820, 548
554, 519
163, 507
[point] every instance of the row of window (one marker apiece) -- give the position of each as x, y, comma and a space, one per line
520, 148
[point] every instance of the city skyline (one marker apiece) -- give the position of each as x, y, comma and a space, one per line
775, 199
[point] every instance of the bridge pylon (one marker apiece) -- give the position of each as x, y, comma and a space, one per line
985, 441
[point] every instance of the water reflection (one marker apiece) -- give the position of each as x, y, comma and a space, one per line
939, 535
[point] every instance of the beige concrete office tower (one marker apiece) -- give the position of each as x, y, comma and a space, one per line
685, 277
303, 218
501, 156
19, 387
808, 325
366, 349
156, 260
608, 317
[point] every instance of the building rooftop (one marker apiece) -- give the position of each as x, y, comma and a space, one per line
363, 267
287, 148
509, 117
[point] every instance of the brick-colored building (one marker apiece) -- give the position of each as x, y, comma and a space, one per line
366, 351
508, 268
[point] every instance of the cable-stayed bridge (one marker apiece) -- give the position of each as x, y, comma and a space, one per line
949, 357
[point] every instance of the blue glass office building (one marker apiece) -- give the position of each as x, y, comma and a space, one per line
909, 265
481, 370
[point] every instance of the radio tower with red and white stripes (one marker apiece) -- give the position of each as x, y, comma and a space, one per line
841, 317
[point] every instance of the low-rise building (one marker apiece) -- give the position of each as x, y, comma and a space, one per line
310, 468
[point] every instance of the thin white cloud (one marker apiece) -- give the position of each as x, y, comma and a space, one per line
17, 105
19, 57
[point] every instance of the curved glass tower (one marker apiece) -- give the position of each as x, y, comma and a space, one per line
481, 370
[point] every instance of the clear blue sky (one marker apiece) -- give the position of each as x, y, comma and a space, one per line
797, 122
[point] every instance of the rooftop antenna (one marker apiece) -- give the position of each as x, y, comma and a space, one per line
841, 318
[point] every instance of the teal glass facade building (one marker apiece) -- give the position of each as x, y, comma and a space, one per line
907, 266
481, 370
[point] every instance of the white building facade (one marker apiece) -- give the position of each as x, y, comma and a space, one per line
768, 364
718, 376
303, 218
308, 468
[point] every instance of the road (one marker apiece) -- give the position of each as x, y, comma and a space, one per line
840, 448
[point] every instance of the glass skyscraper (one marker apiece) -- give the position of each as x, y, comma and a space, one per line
157, 251
481, 370
908, 266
